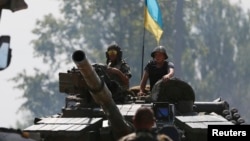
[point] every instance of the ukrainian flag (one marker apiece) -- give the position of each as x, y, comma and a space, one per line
153, 21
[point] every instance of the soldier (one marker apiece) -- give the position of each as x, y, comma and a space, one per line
156, 69
118, 69
143, 121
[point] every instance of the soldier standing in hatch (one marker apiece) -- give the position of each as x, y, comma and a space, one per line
156, 69
117, 66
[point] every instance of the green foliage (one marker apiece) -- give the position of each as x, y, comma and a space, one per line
213, 51
219, 35
91, 25
41, 94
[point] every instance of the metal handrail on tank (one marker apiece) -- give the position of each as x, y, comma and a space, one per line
102, 95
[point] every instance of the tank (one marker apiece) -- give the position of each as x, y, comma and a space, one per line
98, 109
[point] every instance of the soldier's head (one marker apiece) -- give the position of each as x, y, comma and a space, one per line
113, 53
159, 50
144, 118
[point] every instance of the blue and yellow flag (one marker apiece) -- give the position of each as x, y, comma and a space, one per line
153, 21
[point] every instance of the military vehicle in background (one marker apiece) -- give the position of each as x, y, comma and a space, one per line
97, 109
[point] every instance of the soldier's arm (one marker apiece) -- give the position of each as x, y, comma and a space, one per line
123, 77
143, 83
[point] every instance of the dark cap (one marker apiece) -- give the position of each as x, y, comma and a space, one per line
159, 49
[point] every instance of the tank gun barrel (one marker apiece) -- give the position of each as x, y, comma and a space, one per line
102, 95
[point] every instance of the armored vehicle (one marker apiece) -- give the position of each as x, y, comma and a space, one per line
98, 109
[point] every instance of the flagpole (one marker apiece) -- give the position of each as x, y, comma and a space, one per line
142, 58
152, 22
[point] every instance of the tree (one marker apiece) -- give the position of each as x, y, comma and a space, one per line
212, 45
219, 35
89, 25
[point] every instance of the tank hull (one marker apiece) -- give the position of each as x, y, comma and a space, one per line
91, 114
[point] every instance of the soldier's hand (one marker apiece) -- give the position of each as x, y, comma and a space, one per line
140, 93
165, 78
112, 70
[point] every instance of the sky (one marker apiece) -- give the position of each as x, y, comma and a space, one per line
19, 25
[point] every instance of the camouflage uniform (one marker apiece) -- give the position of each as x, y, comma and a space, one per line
146, 136
139, 136
125, 69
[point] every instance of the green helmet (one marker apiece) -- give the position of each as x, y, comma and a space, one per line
159, 49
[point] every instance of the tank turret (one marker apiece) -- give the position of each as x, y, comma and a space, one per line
96, 109
102, 95
90, 112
